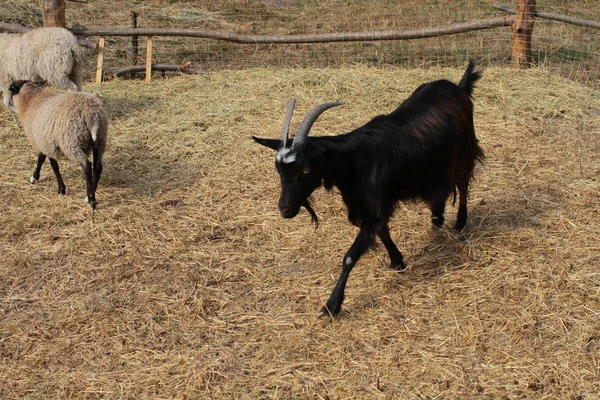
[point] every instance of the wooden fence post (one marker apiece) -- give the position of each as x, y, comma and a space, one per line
149, 58
522, 29
100, 60
134, 42
53, 13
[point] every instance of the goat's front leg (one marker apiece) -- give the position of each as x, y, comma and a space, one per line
361, 244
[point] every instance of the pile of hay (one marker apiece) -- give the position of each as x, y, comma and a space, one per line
188, 284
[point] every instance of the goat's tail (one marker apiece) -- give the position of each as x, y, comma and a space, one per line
469, 152
467, 83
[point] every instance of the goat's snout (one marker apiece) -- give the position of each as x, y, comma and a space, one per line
288, 210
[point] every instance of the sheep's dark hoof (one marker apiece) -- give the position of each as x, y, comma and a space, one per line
397, 266
93, 204
437, 222
62, 190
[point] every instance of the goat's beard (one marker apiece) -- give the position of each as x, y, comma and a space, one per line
313, 214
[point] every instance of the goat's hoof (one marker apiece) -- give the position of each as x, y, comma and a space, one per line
92, 202
62, 190
325, 313
459, 227
33, 180
330, 312
401, 266
437, 222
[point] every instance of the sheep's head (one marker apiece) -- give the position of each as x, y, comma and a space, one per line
16, 88
295, 164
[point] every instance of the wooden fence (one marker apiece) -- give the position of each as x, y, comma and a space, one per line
521, 20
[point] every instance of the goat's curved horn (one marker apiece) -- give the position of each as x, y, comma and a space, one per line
286, 124
309, 120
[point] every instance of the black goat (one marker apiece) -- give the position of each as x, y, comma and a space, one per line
425, 149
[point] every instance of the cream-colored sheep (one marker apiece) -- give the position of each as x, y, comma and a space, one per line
73, 124
50, 54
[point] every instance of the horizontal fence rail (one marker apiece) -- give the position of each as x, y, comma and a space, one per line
555, 17
219, 48
452, 29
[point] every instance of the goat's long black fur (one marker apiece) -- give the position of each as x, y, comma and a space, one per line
426, 149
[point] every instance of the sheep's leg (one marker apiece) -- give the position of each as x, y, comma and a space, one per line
36, 174
6, 97
75, 76
89, 182
67, 83
97, 167
361, 244
76, 79
397, 261
62, 189
461, 217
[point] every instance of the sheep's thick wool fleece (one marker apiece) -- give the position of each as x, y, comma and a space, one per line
64, 123
52, 54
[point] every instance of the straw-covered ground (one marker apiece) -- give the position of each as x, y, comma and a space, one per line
187, 283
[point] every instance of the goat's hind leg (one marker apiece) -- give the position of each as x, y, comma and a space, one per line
438, 207
396, 259
461, 217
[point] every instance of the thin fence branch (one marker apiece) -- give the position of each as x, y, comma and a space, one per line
295, 39
182, 69
556, 17
289, 39
13, 28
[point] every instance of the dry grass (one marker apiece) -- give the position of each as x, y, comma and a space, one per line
188, 284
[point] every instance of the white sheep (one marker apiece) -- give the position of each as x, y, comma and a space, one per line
73, 124
50, 54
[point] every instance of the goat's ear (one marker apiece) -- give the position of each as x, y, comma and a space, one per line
270, 143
